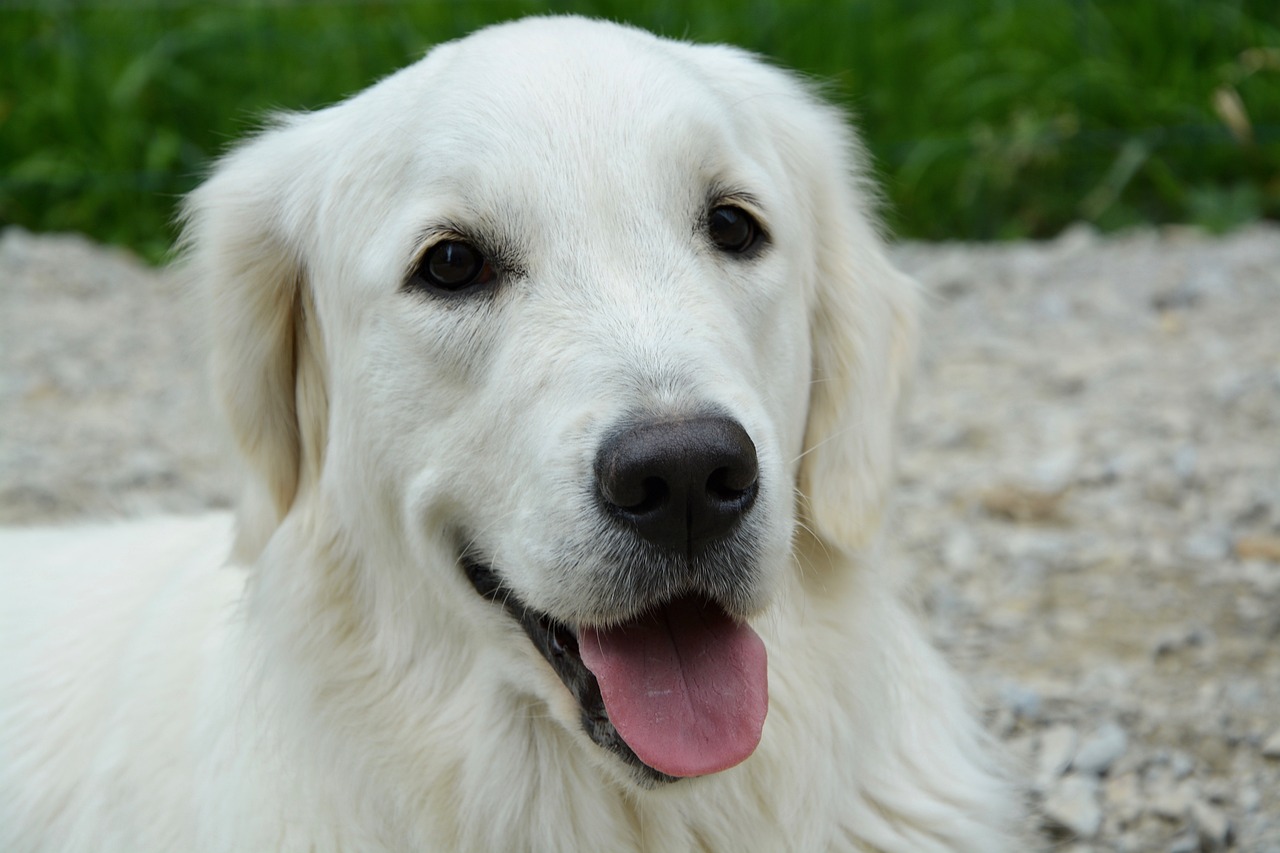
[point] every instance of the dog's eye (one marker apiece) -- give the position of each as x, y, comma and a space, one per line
453, 266
733, 230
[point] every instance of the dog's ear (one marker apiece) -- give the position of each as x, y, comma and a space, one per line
240, 251
863, 327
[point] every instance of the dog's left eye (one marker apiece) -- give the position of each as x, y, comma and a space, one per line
733, 230
453, 266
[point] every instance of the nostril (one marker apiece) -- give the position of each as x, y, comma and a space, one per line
653, 493
731, 485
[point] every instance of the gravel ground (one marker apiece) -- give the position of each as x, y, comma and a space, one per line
1091, 495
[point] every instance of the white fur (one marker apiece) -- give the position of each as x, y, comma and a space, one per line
331, 681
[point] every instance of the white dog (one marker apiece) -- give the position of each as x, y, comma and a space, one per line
565, 365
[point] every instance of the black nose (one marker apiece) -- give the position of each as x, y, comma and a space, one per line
680, 484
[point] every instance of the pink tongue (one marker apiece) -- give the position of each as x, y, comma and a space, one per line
685, 686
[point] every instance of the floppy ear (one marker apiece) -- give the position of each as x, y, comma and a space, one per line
863, 326
239, 250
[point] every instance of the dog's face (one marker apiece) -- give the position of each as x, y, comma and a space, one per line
573, 314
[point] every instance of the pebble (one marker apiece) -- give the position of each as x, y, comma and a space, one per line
1208, 546
961, 552
1219, 790
1023, 701
1072, 805
1185, 460
1181, 638
1101, 750
1057, 748
1212, 826
1054, 473
1258, 548
1021, 504
1271, 746
1181, 764
1169, 801
1123, 797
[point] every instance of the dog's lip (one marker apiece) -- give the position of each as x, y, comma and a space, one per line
558, 644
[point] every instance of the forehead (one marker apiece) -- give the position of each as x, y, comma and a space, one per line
543, 80
569, 107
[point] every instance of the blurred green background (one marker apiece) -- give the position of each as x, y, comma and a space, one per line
986, 118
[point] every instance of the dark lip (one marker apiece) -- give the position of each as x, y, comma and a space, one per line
558, 643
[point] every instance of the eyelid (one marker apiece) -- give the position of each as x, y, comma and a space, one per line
750, 204
721, 196
432, 238
504, 261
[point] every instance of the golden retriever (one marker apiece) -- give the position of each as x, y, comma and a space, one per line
565, 365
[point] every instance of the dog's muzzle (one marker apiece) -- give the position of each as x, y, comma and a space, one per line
678, 688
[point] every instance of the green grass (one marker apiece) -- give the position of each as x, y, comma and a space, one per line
987, 118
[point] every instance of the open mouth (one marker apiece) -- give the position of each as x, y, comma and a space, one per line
678, 691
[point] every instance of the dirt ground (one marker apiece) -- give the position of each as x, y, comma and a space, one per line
1090, 494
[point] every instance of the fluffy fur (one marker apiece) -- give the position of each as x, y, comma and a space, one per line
317, 674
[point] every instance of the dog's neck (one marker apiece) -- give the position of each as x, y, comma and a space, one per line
415, 705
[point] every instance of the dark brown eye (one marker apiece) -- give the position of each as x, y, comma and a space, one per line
453, 266
732, 229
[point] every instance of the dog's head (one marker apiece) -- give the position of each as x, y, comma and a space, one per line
589, 321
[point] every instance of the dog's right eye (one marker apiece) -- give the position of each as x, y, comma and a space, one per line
733, 230
452, 266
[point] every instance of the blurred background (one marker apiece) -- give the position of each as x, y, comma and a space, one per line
987, 119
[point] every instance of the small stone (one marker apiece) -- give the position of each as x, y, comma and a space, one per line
1271, 746
1212, 826
1219, 790
1072, 805
1022, 504
1124, 798
1244, 504
1174, 300
1258, 548
1185, 843
1185, 462
1024, 702
1229, 388
1186, 637
1263, 576
1181, 765
1172, 323
1075, 239
1169, 802
960, 554
1022, 748
1054, 472
1163, 488
1053, 307
1207, 546
1057, 746
1101, 750
1243, 693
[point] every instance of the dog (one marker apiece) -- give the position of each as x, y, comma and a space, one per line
564, 365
